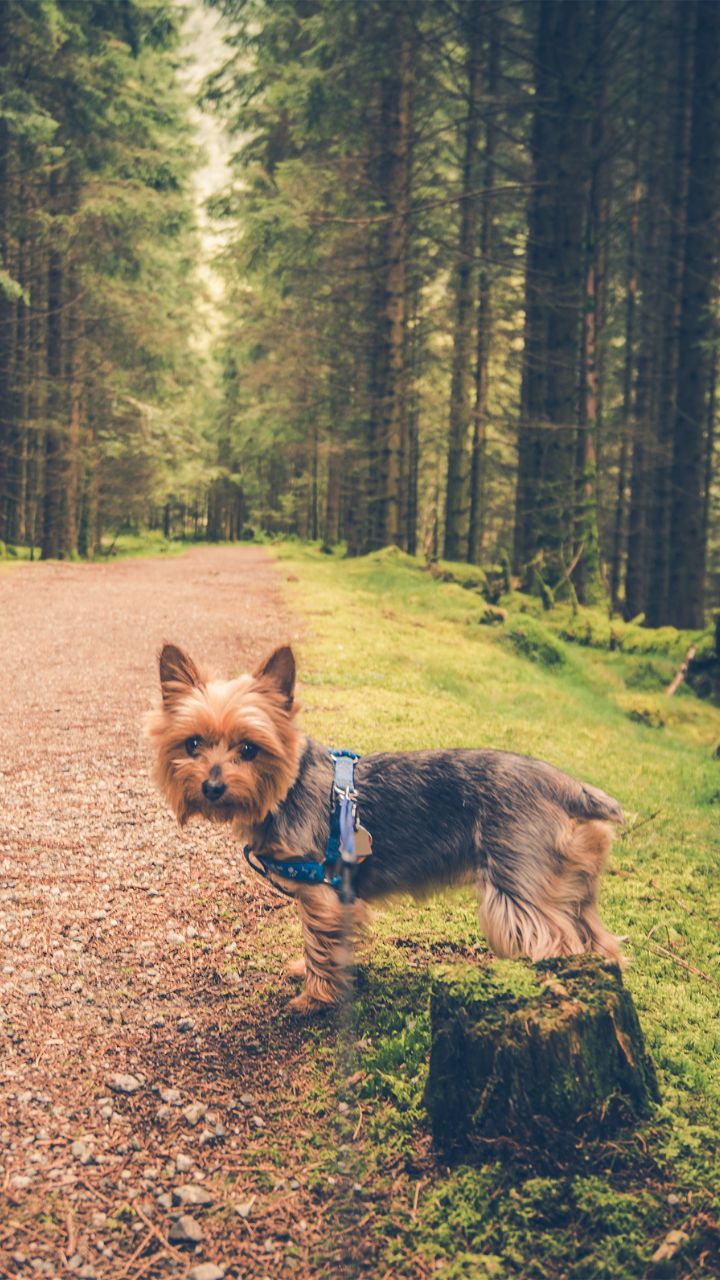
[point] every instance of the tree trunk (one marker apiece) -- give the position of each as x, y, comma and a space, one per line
478, 485
674, 200
457, 492
619, 517
554, 291
395, 173
57, 415
688, 545
588, 577
534, 1057
332, 497
657, 141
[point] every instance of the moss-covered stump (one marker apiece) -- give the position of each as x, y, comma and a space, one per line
534, 1056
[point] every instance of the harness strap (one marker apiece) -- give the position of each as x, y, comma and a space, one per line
340, 844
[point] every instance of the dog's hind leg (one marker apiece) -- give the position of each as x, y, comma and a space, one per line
546, 905
517, 926
586, 852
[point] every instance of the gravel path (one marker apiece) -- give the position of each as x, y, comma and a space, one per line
137, 1057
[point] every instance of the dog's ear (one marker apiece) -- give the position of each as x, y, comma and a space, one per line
178, 672
279, 669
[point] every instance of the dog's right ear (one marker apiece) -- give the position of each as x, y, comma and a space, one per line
178, 672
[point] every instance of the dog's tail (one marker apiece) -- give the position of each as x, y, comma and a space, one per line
584, 801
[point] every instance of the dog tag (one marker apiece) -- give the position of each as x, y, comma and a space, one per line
363, 843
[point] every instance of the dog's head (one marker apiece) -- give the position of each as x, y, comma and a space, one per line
226, 750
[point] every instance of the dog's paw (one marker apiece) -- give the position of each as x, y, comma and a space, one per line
304, 1005
296, 968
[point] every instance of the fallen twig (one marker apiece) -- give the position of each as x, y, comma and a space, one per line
681, 673
629, 831
71, 1233
156, 1232
137, 1254
691, 968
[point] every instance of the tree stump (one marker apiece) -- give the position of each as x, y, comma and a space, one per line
534, 1056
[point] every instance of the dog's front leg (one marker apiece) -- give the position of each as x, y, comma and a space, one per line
326, 947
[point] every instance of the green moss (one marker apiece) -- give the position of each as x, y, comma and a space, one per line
519, 602
536, 1055
468, 576
644, 709
534, 641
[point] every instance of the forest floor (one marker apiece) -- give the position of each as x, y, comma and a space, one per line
149, 1066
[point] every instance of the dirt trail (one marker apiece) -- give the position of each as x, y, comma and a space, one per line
117, 934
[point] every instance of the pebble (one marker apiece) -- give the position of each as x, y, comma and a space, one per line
206, 1271
243, 1208
258, 1122
185, 1230
170, 1096
183, 1163
194, 1113
20, 1181
185, 1024
124, 1083
83, 1151
175, 939
192, 1194
165, 1200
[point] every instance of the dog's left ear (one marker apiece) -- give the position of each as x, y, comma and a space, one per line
279, 669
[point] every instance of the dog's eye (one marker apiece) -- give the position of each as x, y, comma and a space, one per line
192, 745
248, 750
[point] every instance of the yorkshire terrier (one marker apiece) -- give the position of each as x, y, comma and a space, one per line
531, 839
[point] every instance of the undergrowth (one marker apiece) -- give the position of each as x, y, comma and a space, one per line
394, 659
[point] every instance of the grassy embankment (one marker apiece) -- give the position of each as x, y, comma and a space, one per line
120, 547
392, 659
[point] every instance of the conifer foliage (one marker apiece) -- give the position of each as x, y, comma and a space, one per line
470, 252
96, 243
473, 255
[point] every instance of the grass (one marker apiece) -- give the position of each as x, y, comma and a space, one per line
393, 659
148, 542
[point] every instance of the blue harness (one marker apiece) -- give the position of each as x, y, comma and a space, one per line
340, 855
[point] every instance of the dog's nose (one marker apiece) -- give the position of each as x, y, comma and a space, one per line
213, 790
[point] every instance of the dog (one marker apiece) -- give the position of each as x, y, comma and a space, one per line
530, 838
